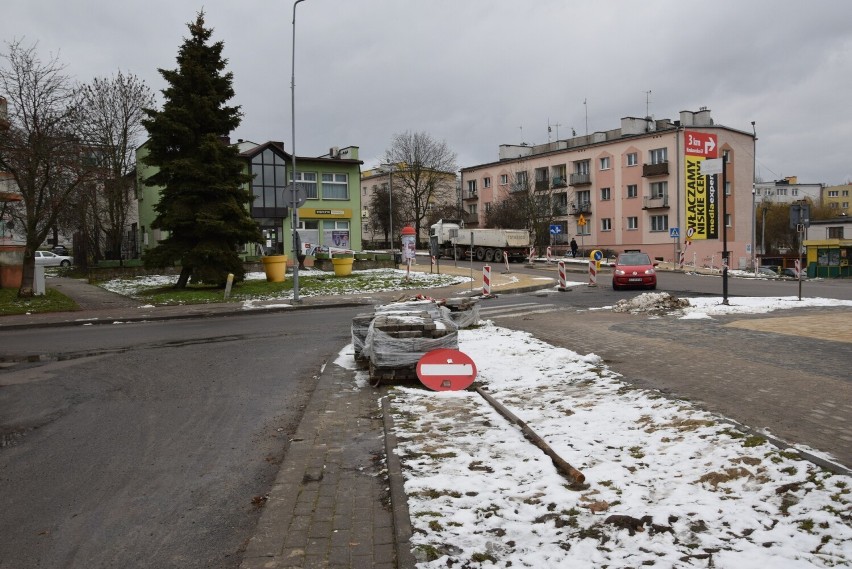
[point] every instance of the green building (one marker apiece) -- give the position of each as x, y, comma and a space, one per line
329, 218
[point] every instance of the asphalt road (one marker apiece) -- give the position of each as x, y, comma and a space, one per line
150, 444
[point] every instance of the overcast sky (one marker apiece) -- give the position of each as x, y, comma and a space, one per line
480, 73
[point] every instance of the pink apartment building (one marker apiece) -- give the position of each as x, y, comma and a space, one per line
638, 187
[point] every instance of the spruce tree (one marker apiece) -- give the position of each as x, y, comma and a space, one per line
204, 197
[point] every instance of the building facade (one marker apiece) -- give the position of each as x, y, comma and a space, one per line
788, 191
329, 218
838, 198
637, 187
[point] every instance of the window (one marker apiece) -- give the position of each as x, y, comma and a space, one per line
581, 167
486, 182
632, 159
832, 205
488, 207
794, 192
606, 224
728, 220
557, 173
308, 182
835, 232
560, 204
726, 154
504, 179
267, 185
471, 187
632, 190
605, 194
335, 186
584, 229
605, 163
659, 223
541, 174
845, 193
845, 205
584, 197
471, 209
781, 191
659, 189
632, 223
659, 156
521, 179
833, 194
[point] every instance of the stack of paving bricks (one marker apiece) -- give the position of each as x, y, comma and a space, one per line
398, 336
463, 311
360, 327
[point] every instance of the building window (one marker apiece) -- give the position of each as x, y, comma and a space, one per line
581, 167
781, 191
268, 183
521, 179
632, 191
794, 192
632, 223
335, 186
833, 193
606, 224
632, 159
584, 197
557, 174
832, 205
488, 207
835, 232
659, 189
845, 205
471, 209
560, 203
504, 179
583, 229
605, 163
605, 194
308, 182
486, 182
471, 187
659, 223
541, 174
845, 193
726, 154
659, 156
728, 219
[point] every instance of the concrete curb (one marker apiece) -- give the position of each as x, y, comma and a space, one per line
399, 501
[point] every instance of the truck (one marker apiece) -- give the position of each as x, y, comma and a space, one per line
450, 239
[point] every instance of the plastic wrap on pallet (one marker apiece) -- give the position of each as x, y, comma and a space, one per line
466, 318
360, 327
430, 306
386, 350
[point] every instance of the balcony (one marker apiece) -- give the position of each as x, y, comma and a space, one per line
468, 195
660, 169
656, 202
542, 184
581, 179
581, 208
560, 182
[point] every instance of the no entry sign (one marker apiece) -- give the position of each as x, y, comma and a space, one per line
446, 370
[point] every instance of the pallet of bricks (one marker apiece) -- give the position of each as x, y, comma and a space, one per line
391, 340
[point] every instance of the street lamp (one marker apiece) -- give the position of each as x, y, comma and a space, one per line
295, 217
389, 168
753, 197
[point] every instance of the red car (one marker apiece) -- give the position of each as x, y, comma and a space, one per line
634, 269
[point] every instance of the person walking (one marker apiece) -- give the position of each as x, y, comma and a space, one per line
573, 248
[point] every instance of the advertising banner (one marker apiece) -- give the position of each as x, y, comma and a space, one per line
702, 215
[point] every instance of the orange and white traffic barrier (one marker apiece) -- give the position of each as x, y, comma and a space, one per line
532, 255
683, 253
563, 281
486, 280
593, 274
548, 255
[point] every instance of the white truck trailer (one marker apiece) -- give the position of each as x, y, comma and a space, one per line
450, 239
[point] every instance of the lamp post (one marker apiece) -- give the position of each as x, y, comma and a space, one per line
295, 216
389, 169
753, 197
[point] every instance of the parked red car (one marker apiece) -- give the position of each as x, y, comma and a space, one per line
634, 269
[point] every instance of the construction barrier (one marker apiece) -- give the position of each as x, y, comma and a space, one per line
683, 253
532, 255
486, 280
563, 281
593, 274
548, 255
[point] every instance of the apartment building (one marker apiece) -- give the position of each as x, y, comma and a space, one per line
838, 198
787, 191
637, 187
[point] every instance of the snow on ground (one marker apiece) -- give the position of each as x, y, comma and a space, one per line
667, 485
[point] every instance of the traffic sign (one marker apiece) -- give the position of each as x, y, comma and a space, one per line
582, 221
446, 370
711, 166
597, 255
555, 229
300, 197
674, 232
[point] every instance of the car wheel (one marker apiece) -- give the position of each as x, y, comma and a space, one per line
65, 263
652, 287
614, 286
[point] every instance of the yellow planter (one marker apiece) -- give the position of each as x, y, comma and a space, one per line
275, 267
343, 267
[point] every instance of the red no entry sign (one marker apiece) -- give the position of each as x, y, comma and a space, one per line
446, 370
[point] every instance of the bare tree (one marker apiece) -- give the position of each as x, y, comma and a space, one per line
41, 150
424, 174
379, 220
112, 109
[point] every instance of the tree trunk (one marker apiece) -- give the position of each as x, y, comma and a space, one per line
185, 273
28, 277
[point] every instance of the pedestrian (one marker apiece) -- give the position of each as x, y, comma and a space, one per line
573, 248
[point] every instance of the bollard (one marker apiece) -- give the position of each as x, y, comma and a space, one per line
548, 255
486, 280
506, 261
563, 282
593, 274
532, 255
228, 284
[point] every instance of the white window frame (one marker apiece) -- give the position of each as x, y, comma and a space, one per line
632, 159
632, 223
337, 182
486, 182
606, 194
308, 181
659, 223
632, 191
504, 179
659, 155
606, 224
604, 163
